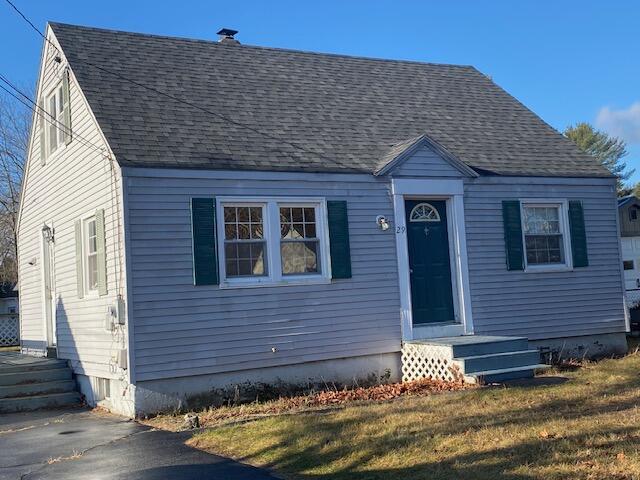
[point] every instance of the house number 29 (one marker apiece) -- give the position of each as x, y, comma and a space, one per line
400, 229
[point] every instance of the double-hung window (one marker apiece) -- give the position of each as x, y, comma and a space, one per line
544, 227
299, 243
244, 241
272, 241
54, 107
90, 249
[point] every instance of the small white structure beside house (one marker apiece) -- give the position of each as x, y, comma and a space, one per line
9, 316
198, 215
629, 221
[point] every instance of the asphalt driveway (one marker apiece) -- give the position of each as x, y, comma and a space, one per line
66, 444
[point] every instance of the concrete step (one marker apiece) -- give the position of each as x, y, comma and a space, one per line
39, 364
35, 376
35, 402
24, 390
503, 374
496, 361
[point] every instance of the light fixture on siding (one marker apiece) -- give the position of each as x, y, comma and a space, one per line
382, 222
47, 231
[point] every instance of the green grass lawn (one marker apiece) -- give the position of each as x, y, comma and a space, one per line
587, 427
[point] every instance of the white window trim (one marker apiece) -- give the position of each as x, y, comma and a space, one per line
271, 227
563, 204
88, 292
51, 120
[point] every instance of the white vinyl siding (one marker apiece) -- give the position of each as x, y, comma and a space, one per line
78, 182
54, 106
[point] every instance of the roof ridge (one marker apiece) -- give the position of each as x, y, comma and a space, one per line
261, 47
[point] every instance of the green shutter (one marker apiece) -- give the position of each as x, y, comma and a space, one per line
578, 234
79, 272
339, 239
203, 226
513, 234
101, 251
66, 107
43, 133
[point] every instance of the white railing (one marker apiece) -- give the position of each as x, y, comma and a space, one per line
9, 329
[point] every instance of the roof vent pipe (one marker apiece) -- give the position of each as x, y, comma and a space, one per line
226, 36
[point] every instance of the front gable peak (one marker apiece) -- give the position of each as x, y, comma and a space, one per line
401, 153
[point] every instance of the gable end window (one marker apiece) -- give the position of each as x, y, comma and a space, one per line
55, 106
633, 214
545, 235
272, 241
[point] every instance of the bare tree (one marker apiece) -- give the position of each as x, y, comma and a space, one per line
15, 122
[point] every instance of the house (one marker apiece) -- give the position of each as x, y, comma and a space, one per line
629, 221
204, 214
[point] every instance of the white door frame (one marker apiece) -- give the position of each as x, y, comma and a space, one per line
452, 191
47, 271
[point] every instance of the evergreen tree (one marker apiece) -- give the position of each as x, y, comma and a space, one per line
610, 151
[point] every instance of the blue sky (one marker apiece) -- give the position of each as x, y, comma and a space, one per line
568, 61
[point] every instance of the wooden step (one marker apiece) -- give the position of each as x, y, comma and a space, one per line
504, 374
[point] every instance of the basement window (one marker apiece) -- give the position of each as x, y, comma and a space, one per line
102, 389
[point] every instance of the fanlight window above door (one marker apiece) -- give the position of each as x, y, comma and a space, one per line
424, 212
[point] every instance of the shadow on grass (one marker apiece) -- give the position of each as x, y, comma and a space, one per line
323, 444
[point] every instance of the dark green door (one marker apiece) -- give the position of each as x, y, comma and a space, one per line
429, 264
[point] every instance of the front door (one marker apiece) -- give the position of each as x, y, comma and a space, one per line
47, 280
429, 263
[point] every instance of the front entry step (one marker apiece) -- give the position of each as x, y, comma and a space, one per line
30, 383
470, 358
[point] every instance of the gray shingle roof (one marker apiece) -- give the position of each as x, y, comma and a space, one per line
305, 111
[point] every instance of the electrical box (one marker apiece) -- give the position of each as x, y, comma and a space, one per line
109, 324
120, 310
122, 358
115, 315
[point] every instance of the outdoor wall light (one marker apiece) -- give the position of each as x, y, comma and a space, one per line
382, 222
47, 231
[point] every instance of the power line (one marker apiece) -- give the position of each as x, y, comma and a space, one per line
172, 97
34, 107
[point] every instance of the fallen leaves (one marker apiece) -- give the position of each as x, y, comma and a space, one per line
316, 399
